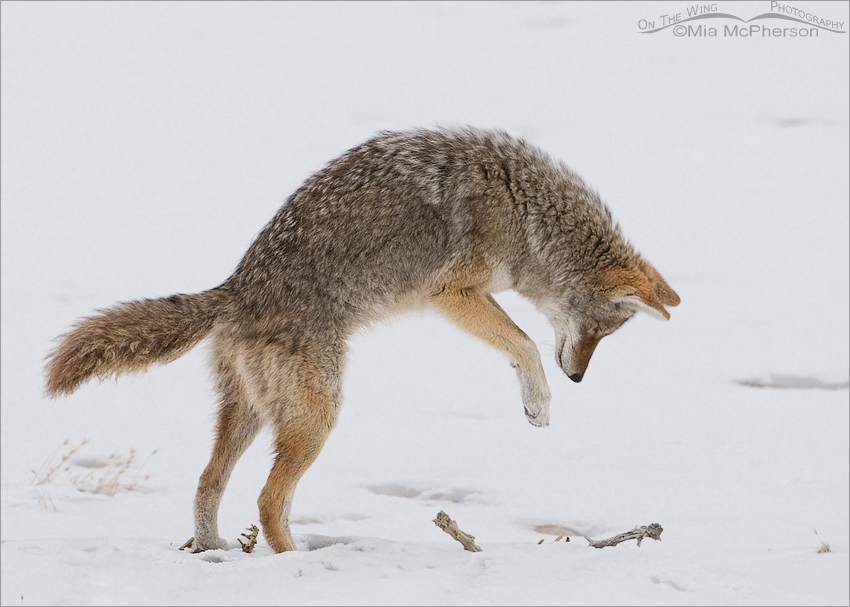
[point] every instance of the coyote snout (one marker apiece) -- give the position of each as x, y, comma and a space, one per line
440, 218
611, 297
574, 361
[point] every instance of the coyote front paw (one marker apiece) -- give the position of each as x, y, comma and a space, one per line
535, 399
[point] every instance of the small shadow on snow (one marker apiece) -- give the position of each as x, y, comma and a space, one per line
555, 529
215, 556
395, 490
656, 580
90, 462
794, 122
455, 496
317, 542
793, 382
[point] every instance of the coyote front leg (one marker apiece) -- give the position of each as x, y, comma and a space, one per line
478, 313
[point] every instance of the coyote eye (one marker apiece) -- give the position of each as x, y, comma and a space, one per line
596, 329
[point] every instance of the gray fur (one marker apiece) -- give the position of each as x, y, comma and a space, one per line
405, 220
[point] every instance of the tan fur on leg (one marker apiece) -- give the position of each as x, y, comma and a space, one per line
480, 315
298, 446
299, 439
238, 424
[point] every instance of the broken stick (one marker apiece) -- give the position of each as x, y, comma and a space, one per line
252, 539
638, 533
444, 522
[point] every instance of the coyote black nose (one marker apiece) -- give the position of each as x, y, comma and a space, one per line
576, 377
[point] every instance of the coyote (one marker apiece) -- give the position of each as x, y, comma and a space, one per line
427, 218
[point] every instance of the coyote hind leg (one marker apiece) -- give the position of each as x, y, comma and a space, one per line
299, 438
238, 424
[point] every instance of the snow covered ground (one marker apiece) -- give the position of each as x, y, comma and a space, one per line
145, 144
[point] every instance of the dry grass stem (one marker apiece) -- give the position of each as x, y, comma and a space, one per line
824, 546
49, 469
44, 499
92, 476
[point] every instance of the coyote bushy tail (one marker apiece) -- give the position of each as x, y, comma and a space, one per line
131, 337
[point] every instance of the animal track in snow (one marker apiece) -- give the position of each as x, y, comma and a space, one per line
554, 529
455, 496
793, 382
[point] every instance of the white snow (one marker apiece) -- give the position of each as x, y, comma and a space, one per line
145, 144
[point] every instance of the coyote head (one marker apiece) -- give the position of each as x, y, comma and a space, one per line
599, 306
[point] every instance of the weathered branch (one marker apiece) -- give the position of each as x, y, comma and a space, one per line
252, 539
638, 533
444, 522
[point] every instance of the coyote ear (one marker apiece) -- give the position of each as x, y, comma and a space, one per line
640, 303
666, 295
631, 288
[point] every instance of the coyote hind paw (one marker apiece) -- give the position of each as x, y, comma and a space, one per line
215, 544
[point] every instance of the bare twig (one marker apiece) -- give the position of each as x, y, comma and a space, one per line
252, 539
638, 533
444, 522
